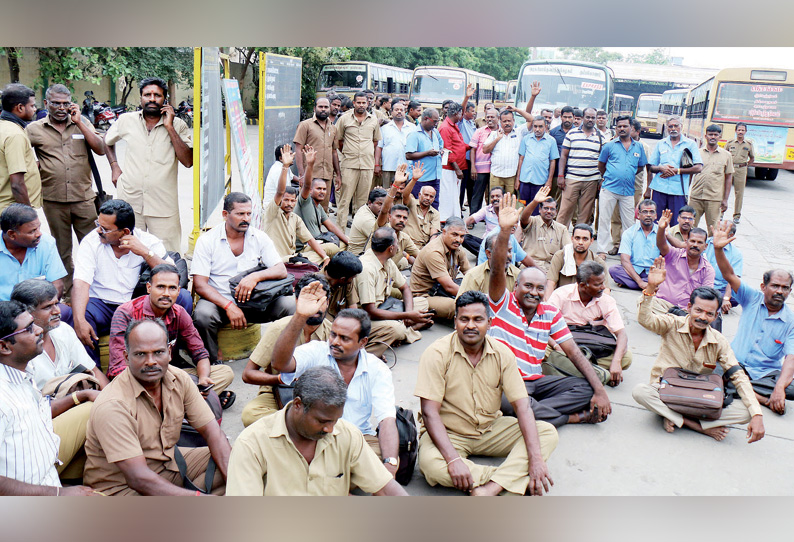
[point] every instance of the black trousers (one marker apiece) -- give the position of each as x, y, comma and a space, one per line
481, 183
554, 398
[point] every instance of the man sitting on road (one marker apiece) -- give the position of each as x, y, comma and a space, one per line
678, 235
230, 248
424, 221
460, 384
637, 249
543, 236
764, 341
306, 449
364, 221
566, 261
478, 277
340, 274
690, 343
526, 324
396, 217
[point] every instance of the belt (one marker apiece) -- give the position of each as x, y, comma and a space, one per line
740, 165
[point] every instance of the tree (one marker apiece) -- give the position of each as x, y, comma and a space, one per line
12, 55
590, 54
657, 56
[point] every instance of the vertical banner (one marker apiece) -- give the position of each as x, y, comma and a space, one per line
211, 139
279, 105
245, 161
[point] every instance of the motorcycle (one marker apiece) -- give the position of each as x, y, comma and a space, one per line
185, 112
88, 106
100, 114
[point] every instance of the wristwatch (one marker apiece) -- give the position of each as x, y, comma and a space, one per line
150, 254
390, 461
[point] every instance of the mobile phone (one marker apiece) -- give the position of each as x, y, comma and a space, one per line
203, 389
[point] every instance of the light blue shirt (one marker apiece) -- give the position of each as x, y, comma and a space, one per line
518, 253
467, 129
642, 249
621, 166
41, 262
538, 154
762, 340
735, 258
419, 141
393, 144
665, 155
370, 392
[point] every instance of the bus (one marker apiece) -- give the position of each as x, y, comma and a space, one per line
623, 106
500, 94
761, 98
512, 85
647, 111
671, 104
347, 78
431, 85
566, 82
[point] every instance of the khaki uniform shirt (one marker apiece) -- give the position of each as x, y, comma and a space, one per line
323, 140
542, 241
555, 267
434, 261
125, 423
741, 153
675, 232
361, 229
405, 244
709, 184
149, 173
63, 159
478, 278
284, 230
375, 282
358, 140
419, 226
342, 297
263, 353
678, 350
16, 156
265, 461
470, 396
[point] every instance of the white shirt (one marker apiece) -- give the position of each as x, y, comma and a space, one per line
112, 279
370, 393
69, 353
504, 156
213, 257
271, 182
393, 144
28, 445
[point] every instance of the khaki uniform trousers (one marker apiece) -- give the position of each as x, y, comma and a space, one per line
222, 375
507, 183
709, 208
258, 407
70, 426
329, 248
387, 332
444, 306
648, 396
167, 229
581, 193
739, 182
503, 438
62, 217
355, 188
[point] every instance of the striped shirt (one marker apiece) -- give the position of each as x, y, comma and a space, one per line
527, 341
583, 151
504, 156
28, 445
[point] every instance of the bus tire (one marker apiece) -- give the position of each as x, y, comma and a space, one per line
771, 174
760, 173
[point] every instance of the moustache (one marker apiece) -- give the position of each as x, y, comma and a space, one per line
532, 297
245, 223
701, 321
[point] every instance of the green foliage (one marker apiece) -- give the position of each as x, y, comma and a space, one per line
590, 54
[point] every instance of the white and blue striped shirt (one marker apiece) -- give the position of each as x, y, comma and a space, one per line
583, 152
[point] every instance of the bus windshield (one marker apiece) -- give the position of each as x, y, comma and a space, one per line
564, 84
648, 106
435, 87
343, 76
758, 103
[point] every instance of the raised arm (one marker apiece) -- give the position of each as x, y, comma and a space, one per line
311, 301
287, 156
417, 170
661, 232
508, 218
534, 90
183, 153
309, 155
539, 198
720, 241
399, 180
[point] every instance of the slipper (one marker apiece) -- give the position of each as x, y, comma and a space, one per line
227, 398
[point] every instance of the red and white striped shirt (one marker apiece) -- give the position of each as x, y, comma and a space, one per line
528, 341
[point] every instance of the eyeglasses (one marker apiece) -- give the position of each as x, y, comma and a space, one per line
685, 219
60, 105
28, 328
648, 212
102, 228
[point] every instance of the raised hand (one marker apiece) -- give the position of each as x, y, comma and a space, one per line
312, 300
657, 273
535, 88
309, 155
417, 170
287, 156
721, 234
470, 90
667, 216
508, 214
401, 175
542, 194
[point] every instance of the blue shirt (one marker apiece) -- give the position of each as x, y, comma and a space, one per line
518, 253
735, 258
621, 166
665, 155
538, 154
41, 262
762, 340
419, 141
642, 249
467, 129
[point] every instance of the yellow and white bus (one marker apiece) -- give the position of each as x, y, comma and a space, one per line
431, 85
647, 112
761, 98
347, 78
623, 105
500, 94
672, 104
512, 87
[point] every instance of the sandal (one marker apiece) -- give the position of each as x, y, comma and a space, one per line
227, 398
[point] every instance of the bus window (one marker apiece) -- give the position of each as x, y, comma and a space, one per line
755, 102
428, 88
343, 75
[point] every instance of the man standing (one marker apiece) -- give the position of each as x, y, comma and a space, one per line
579, 177
743, 154
480, 160
669, 187
601, 125
20, 180
63, 142
318, 133
503, 146
452, 171
619, 162
637, 249
467, 127
711, 188
543, 236
156, 142
414, 111
395, 137
357, 135
537, 160
426, 147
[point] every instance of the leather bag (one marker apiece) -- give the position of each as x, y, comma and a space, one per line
698, 396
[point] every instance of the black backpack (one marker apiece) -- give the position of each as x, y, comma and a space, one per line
409, 445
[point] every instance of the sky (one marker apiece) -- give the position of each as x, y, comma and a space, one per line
724, 57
